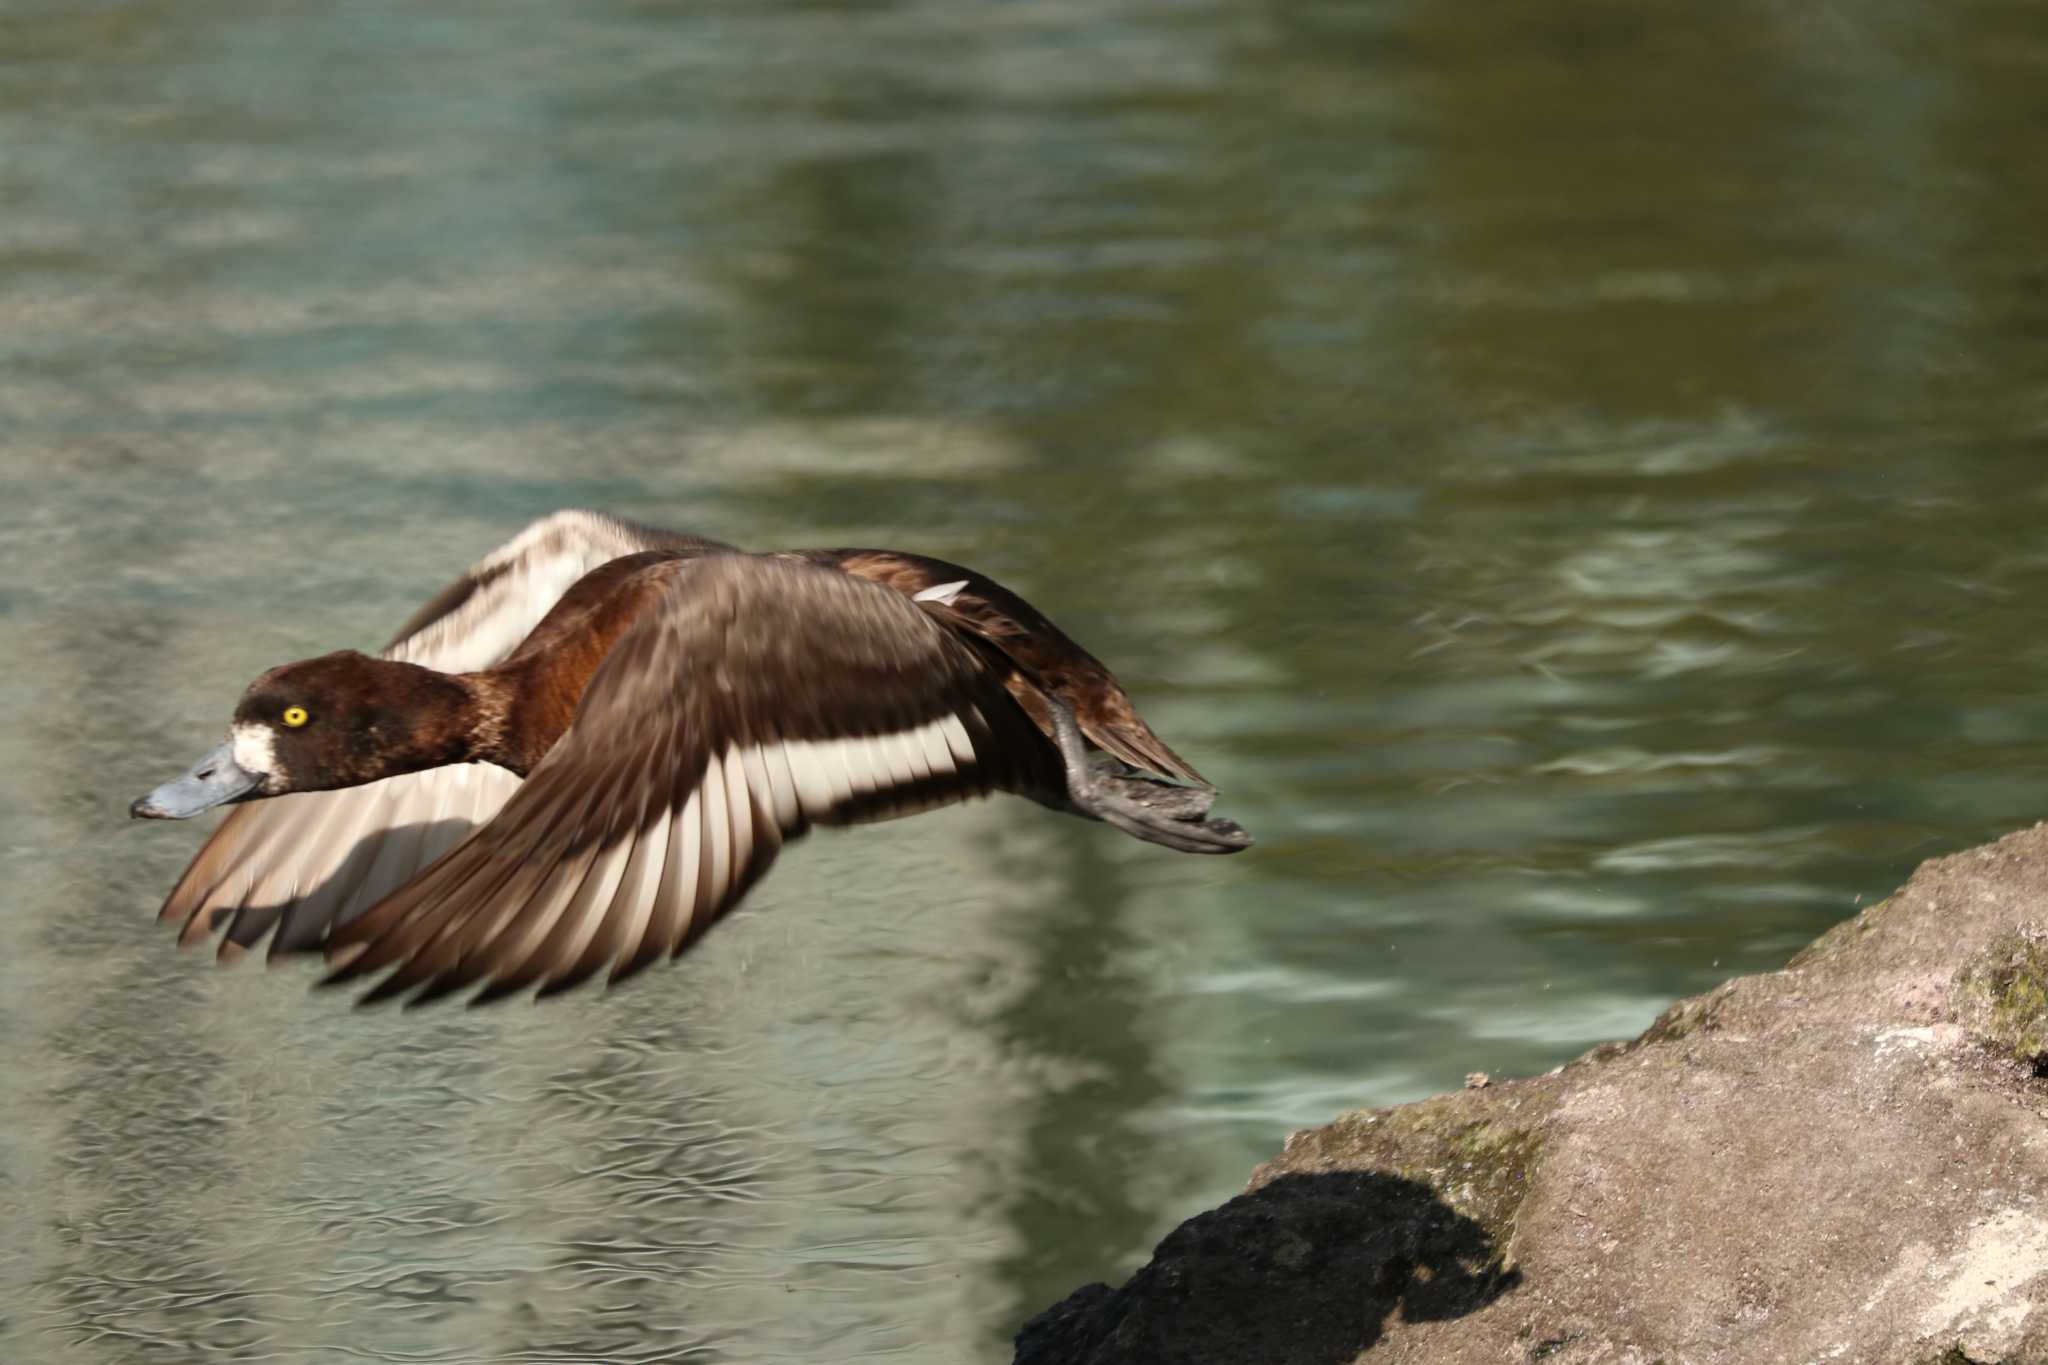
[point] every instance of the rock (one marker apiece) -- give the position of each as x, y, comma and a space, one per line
2001, 996
1846, 1160
1304, 1268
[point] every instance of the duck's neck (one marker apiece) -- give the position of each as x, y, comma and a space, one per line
516, 713
521, 707
494, 734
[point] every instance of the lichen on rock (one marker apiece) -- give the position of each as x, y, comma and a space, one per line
1477, 1161
2000, 995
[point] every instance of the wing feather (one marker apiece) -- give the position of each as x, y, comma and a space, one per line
739, 811
911, 756
643, 935
346, 824
703, 743
717, 839
582, 923
1046, 659
521, 883
302, 863
808, 774
370, 839
478, 869
779, 781
679, 884
835, 756
623, 923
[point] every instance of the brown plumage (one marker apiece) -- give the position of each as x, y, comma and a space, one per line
1041, 659
678, 710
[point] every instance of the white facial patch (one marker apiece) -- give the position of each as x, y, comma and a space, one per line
254, 749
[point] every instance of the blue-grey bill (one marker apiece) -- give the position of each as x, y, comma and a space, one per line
213, 781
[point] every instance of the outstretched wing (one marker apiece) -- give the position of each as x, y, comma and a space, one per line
750, 699
977, 605
482, 616
299, 863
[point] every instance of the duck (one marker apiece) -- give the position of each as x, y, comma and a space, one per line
588, 747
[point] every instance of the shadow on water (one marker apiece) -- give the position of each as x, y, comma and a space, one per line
1303, 1271
1080, 1173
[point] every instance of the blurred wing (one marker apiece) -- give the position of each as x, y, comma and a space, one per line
481, 617
751, 699
977, 605
300, 863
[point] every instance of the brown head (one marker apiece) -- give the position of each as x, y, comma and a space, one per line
339, 720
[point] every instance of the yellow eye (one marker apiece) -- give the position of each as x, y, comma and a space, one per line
295, 716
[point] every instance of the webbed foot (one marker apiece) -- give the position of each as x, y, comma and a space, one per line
1143, 807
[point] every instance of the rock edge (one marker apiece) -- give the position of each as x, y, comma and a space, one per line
1845, 1160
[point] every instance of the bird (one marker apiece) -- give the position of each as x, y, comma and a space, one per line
586, 749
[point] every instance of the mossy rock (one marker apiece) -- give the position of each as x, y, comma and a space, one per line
2001, 995
1479, 1163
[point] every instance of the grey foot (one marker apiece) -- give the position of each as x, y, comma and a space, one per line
1157, 812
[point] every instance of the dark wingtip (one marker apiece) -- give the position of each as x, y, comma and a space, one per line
390, 988
344, 964
645, 956
492, 994
440, 988
550, 989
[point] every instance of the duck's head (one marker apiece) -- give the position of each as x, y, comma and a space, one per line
339, 720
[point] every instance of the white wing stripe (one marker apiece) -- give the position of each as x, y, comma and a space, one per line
711, 878
640, 886
782, 788
933, 739
813, 778
592, 901
682, 865
739, 812
900, 751
832, 758
875, 763
910, 751
754, 762
957, 740
813, 787
864, 758
854, 752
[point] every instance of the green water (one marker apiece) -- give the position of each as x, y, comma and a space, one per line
1571, 474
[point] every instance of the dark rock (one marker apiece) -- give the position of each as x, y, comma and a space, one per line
1302, 1271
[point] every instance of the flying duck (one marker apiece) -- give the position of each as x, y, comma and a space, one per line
585, 749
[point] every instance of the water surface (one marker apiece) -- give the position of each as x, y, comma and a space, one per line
1573, 478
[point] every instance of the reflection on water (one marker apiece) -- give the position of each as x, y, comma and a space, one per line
1573, 477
